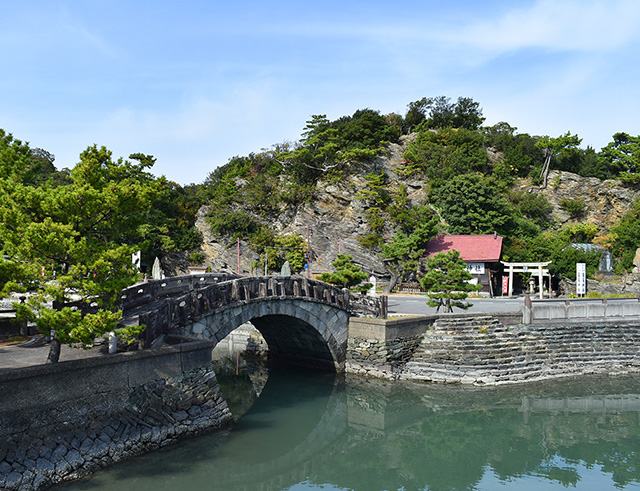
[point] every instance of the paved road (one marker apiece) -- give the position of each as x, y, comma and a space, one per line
417, 304
12, 356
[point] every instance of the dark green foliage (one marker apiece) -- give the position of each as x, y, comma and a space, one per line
621, 157
21, 163
402, 254
289, 247
375, 192
446, 153
519, 151
76, 237
346, 274
555, 246
472, 204
576, 208
533, 206
335, 148
440, 112
447, 281
627, 237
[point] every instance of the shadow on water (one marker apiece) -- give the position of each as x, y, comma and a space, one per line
295, 400
309, 430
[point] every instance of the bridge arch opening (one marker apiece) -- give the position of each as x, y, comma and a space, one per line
286, 341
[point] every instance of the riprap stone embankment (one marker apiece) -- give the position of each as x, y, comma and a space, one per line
64, 421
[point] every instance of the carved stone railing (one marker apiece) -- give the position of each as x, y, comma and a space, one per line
150, 291
165, 304
364, 305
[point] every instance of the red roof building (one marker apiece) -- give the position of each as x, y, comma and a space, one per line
481, 253
472, 248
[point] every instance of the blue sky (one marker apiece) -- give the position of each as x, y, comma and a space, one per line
197, 82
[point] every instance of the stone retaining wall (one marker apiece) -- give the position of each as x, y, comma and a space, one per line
381, 347
62, 422
480, 349
484, 351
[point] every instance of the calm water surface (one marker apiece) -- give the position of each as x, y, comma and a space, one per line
312, 431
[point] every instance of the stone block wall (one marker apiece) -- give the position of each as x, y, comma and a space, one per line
62, 422
482, 350
381, 347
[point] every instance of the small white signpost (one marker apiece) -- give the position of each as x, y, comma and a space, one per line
372, 290
581, 279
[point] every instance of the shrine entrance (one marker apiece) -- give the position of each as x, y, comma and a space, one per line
535, 269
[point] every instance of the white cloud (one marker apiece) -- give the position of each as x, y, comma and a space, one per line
574, 25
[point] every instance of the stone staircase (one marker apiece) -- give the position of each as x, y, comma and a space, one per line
481, 350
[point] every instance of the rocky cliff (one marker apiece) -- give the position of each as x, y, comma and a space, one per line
605, 201
335, 218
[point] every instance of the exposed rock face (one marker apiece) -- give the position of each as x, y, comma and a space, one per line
606, 201
335, 218
332, 222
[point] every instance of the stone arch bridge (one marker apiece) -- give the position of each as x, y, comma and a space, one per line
303, 321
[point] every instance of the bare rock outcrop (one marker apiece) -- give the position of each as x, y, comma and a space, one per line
606, 201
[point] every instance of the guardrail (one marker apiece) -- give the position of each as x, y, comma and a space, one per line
580, 309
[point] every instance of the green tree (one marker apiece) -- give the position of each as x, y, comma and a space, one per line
626, 235
416, 114
575, 207
346, 274
288, 247
447, 281
534, 206
73, 242
622, 157
402, 254
519, 153
334, 147
23, 164
472, 204
554, 147
446, 153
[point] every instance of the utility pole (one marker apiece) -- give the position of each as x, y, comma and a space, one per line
238, 256
308, 251
266, 262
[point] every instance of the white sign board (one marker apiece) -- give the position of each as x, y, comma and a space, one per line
475, 268
581, 278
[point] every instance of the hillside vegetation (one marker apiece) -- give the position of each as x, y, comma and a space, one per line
403, 178
374, 186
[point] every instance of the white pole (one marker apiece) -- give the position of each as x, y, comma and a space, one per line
541, 283
510, 280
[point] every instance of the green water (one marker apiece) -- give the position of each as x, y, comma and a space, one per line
311, 431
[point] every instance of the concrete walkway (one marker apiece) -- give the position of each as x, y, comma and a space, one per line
12, 356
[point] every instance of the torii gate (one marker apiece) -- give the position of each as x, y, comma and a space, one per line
538, 268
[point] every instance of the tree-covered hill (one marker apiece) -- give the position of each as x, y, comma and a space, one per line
379, 186
374, 186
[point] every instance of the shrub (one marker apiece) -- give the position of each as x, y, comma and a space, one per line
576, 208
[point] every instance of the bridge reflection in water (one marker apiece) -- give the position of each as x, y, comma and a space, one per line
311, 429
